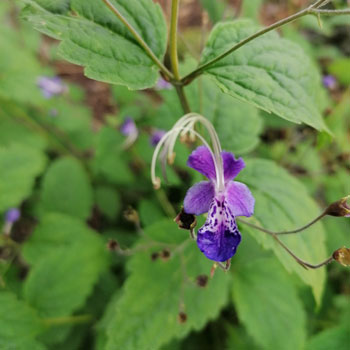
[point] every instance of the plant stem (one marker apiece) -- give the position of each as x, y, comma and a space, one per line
173, 39
330, 12
139, 39
313, 9
56, 321
183, 99
301, 262
284, 232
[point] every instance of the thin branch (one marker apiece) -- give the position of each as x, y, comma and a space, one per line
301, 262
300, 229
139, 39
330, 12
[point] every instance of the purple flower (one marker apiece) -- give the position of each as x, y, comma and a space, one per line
156, 136
12, 215
51, 86
128, 128
219, 237
329, 82
163, 85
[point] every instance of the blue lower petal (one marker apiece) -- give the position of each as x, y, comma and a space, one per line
218, 246
219, 237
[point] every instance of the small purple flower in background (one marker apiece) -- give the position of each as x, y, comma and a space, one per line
219, 237
129, 129
329, 81
163, 85
156, 136
11, 216
51, 86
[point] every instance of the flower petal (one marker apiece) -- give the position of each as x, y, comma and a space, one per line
240, 199
232, 166
201, 160
219, 237
199, 197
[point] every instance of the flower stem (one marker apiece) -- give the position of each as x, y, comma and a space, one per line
300, 229
139, 39
301, 262
313, 9
173, 39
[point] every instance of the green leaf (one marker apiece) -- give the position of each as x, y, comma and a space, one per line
215, 9
13, 131
58, 232
74, 121
19, 324
271, 73
66, 189
69, 275
92, 36
108, 201
267, 303
19, 167
19, 71
237, 124
341, 69
146, 313
282, 203
334, 338
110, 158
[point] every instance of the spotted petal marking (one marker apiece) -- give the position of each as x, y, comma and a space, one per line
219, 237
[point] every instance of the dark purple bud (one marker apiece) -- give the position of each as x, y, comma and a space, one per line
162, 84
51, 86
156, 137
339, 208
329, 82
128, 128
202, 281
342, 256
186, 221
12, 215
182, 317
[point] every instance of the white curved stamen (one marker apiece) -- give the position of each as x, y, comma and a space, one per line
186, 125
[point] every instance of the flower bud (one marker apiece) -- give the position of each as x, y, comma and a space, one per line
339, 208
186, 221
342, 256
131, 215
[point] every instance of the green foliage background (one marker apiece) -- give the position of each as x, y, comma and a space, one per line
64, 165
